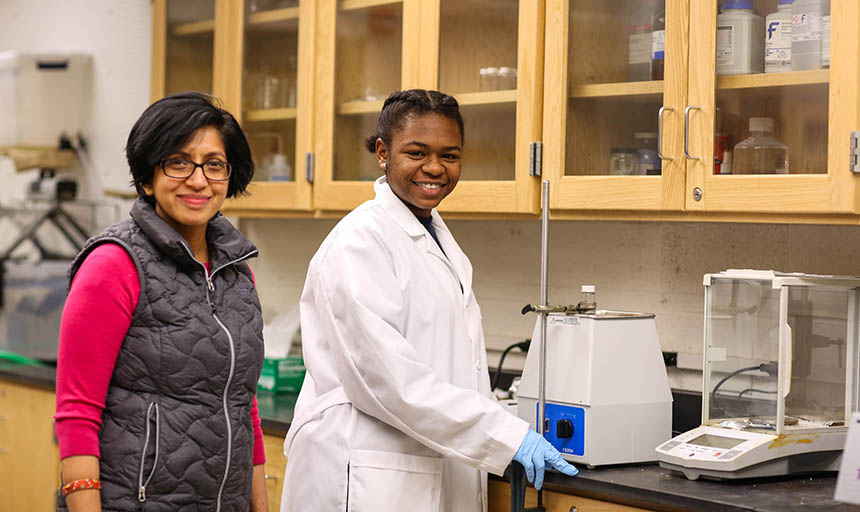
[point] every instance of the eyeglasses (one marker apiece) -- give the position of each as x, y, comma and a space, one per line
182, 168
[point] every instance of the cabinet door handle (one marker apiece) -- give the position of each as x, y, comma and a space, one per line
660, 132
687, 131
269, 477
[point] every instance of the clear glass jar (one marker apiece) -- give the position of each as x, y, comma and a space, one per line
489, 79
624, 162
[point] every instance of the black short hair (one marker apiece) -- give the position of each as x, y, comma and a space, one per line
401, 104
169, 123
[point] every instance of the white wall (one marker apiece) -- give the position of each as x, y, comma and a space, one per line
117, 34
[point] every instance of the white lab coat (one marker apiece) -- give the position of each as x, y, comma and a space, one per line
395, 412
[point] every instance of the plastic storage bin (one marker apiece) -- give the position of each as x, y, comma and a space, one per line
33, 299
43, 95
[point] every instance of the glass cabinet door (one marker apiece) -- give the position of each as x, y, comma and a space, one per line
359, 63
276, 56
490, 58
607, 145
767, 109
183, 46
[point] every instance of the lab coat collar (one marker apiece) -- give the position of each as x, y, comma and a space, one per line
407, 220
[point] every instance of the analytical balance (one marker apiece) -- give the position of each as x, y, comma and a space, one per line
780, 376
607, 393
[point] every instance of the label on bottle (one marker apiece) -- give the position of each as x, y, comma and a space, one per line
725, 45
805, 27
658, 44
640, 48
777, 53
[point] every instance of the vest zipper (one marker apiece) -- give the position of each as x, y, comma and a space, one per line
141, 485
227, 411
210, 287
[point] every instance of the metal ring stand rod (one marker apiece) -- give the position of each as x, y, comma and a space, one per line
518, 482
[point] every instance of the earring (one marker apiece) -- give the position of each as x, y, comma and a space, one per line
384, 165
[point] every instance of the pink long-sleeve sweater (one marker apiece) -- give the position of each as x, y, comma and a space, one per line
95, 320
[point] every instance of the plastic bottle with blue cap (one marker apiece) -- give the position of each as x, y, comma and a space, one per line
740, 39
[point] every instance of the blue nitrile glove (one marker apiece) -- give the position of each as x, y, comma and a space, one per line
534, 452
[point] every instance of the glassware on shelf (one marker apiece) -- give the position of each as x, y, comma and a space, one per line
624, 162
489, 78
646, 147
271, 89
507, 78
761, 153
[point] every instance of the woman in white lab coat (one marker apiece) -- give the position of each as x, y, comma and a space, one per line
396, 412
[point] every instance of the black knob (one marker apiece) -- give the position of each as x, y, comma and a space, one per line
564, 429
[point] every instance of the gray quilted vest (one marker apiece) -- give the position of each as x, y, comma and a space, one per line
176, 430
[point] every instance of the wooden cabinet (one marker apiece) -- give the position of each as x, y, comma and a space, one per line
276, 463
29, 457
308, 79
814, 112
499, 500
593, 108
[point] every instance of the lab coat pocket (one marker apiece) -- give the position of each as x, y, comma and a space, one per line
393, 481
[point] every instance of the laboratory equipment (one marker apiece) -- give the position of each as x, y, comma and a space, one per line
42, 96
777, 52
607, 393
740, 39
780, 376
760, 153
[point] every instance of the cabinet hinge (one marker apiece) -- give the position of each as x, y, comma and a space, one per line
309, 167
535, 158
855, 152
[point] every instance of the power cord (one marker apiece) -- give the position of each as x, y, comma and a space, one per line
522, 345
769, 368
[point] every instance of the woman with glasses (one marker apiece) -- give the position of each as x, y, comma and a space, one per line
161, 338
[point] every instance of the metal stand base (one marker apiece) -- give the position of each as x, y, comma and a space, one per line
518, 490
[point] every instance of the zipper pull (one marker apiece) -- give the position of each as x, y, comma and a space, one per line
141, 494
210, 284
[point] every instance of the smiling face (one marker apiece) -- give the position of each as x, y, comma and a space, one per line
188, 204
423, 162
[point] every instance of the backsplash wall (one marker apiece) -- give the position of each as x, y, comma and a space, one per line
654, 267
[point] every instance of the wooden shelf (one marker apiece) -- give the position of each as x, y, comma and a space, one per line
487, 97
351, 5
617, 89
360, 107
270, 114
288, 13
193, 27
814, 76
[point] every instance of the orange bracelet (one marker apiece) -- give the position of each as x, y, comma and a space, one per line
79, 485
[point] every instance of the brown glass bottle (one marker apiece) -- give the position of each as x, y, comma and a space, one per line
658, 44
